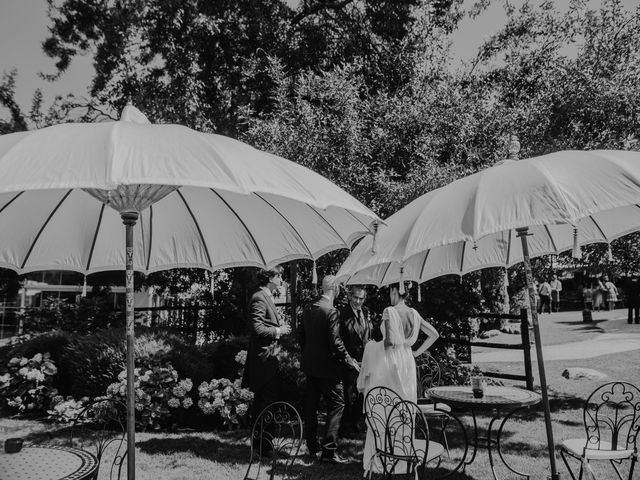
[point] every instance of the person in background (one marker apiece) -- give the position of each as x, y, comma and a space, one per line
597, 290
261, 374
355, 331
631, 289
587, 297
544, 290
611, 292
556, 288
324, 362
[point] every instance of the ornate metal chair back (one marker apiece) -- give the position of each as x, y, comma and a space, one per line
100, 428
276, 438
429, 373
407, 438
377, 407
612, 414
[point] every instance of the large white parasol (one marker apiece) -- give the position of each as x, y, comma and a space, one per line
187, 199
551, 203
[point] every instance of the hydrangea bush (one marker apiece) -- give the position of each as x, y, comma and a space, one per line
26, 386
226, 399
158, 391
66, 410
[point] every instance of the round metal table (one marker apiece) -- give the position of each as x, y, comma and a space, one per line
499, 401
48, 463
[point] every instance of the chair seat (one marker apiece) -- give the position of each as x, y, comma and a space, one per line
436, 450
432, 409
575, 447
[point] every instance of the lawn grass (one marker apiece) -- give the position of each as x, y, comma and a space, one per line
196, 455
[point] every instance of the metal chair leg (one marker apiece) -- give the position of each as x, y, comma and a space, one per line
613, 464
634, 459
563, 455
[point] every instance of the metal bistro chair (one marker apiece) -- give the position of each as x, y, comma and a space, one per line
408, 446
429, 375
612, 422
100, 429
276, 438
378, 404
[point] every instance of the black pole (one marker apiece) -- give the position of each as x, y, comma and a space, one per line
129, 219
523, 233
293, 293
526, 346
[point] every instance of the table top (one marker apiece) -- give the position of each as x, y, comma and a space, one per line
494, 397
47, 462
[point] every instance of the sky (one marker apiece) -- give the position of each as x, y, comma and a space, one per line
23, 27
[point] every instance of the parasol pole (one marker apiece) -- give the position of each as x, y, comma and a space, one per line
129, 219
523, 233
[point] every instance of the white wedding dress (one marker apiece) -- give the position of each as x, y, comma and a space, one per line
393, 367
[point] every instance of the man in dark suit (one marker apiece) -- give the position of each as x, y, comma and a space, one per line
631, 289
355, 332
324, 361
261, 369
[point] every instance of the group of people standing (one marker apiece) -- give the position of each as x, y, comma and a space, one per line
600, 295
549, 294
344, 355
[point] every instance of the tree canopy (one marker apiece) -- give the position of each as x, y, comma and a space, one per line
365, 92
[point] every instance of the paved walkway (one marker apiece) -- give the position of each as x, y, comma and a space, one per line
604, 344
619, 338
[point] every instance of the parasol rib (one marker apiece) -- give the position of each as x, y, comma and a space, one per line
195, 221
95, 235
151, 236
10, 201
264, 262
286, 220
424, 263
598, 227
385, 273
44, 225
329, 223
553, 242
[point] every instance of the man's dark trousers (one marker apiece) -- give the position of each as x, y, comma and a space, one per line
331, 390
265, 396
352, 402
634, 312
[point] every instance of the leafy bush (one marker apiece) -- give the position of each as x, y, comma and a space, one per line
91, 363
225, 399
158, 391
27, 384
221, 355
86, 316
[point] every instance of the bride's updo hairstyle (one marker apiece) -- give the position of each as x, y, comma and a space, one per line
407, 290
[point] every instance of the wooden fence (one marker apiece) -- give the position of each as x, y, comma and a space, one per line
525, 346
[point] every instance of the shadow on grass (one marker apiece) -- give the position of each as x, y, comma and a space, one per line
54, 436
586, 327
207, 448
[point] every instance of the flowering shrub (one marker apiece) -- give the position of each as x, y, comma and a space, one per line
226, 399
158, 390
65, 410
241, 360
26, 386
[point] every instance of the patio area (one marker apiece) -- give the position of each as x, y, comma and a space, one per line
205, 454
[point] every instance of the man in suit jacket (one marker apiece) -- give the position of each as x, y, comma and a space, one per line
324, 360
261, 369
355, 331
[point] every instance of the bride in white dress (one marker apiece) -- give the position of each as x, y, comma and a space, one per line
391, 363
